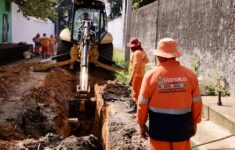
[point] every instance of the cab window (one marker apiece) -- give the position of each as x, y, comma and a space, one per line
85, 14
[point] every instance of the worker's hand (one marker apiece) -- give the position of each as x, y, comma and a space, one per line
193, 130
144, 131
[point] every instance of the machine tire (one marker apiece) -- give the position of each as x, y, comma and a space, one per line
106, 50
63, 47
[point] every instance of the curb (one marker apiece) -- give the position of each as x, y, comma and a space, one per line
213, 115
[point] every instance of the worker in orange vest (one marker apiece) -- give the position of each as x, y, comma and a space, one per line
51, 46
170, 96
138, 60
45, 41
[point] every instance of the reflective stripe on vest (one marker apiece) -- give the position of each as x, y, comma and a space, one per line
142, 100
197, 98
170, 110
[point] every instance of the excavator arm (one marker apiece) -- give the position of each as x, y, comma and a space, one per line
83, 88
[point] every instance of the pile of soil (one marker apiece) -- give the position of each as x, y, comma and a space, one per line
56, 142
8, 145
113, 91
32, 103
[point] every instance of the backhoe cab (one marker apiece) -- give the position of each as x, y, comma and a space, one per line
88, 10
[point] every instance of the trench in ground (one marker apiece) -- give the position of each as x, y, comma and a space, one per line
33, 105
88, 116
91, 119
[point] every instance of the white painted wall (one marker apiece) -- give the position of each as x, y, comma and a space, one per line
115, 27
23, 30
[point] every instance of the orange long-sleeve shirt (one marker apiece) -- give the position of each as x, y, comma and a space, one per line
169, 92
138, 60
45, 41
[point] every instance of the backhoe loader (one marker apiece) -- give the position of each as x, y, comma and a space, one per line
86, 41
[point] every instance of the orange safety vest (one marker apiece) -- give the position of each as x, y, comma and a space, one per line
138, 60
170, 95
45, 41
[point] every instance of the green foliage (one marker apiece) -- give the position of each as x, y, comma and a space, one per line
140, 3
38, 8
219, 86
118, 56
211, 90
116, 7
195, 65
64, 13
121, 77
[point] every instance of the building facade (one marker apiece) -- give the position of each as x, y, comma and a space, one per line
5, 21
25, 28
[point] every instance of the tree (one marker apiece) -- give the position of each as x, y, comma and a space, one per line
140, 3
64, 13
38, 8
116, 7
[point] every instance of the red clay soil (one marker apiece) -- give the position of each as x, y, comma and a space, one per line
32, 103
32, 108
8, 145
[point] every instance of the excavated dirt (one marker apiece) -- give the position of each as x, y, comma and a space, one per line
119, 128
33, 115
31, 103
52, 141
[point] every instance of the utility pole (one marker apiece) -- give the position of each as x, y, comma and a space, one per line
127, 7
124, 24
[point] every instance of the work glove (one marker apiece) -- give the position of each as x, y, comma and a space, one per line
193, 130
144, 131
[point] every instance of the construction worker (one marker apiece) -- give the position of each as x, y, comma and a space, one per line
138, 60
86, 16
170, 96
51, 45
37, 44
45, 41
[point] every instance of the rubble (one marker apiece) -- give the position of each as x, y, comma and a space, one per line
112, 91
56, 142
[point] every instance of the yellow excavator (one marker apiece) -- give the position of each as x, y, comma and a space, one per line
87, 41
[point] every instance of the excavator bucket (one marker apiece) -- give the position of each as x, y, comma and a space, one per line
81, 108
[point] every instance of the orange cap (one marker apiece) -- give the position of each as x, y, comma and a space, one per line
133, 42
167, 47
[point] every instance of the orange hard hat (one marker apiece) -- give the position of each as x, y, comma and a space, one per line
167, 47
133, 42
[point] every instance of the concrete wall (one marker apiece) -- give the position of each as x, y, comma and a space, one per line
23, 29
115, 27
6, 26
204, 29
144, 26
